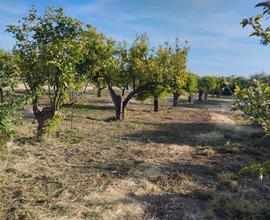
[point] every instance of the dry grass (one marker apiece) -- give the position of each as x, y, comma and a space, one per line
174, 164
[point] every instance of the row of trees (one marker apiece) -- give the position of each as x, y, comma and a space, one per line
55, 56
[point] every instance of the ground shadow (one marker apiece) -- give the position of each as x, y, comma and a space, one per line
191, 134
90, 107
171, 133
204, 104
171, 206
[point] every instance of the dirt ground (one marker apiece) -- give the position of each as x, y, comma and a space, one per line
179, 163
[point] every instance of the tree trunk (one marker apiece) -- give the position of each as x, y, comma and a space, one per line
134, 84
175, 98
212, 94
205, 96
123, 91
1, 94
155, 104
118, 105
200, 96
42, 117
190, 98
99, 92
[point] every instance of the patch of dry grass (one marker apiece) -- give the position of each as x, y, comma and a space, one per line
165, 165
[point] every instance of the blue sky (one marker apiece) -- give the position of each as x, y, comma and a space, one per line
218, 43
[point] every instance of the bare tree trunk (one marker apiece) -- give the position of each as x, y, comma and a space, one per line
213, 94
200, 96
42, 117
99, 92
190, 98
118, 105
134, 84
123, 91
205, 96
155, 104
175, 98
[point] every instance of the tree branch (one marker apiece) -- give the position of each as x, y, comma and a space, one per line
135, 91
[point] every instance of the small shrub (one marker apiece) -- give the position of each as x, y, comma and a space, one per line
207, 151
73, 136
262, 170
254, 101
52, 125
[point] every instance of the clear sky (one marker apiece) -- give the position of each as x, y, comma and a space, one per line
218, 43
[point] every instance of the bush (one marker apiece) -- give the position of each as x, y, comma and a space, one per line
9, 101
254, 101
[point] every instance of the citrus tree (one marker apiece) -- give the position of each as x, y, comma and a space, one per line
97, 54
49, 51
177, 77
259, 30
204, 87
9, 101
262, 77
254, 101
130, 66
159, 66
191, 86
106, 63
213, 84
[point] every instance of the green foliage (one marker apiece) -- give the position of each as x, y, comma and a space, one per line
49, 51
98, 56
8, 117
254, 101
158, 68
262, 77
204, 84
177, 75
207, 84
74, 137
262, 170
256, 23
9, 101
221, 85
212, 83
53, 123
192, 83
137, 61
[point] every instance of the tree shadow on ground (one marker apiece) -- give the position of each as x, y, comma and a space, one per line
193, 134
171, 206
90, 107
171, 133
204, 104
101, 101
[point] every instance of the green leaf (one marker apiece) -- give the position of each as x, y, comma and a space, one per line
255, 33
244, 22
262, 4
